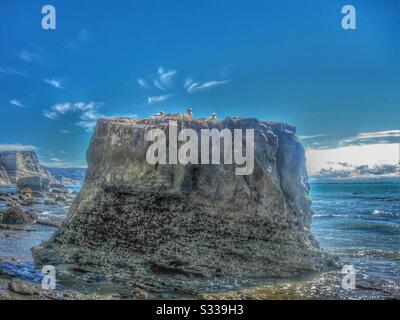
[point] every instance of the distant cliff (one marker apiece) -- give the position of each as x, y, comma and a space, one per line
18, 164
175, 226
68, 176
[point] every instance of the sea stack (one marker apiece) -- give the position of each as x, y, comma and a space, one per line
22, 165
181, 227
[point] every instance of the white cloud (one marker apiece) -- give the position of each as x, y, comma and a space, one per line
82, 38
33, 54
17, 103
87, 125
311, 136
388, 136
165, 76
64, 131
88, 112
354, 160
55, 83
162, 80
192, 87
155, 99
16, 147
11, 71
143, 83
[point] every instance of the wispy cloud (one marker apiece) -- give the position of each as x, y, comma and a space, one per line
17, 103
12, 71
32, 55
192, 87
156, 99
165, 77
143, 83
54, 82
16, 147
82, 38
389, 136
87, 125
65, 131
88, 112
311, 136
161, 80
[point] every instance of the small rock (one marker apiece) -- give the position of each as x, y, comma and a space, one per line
15, 215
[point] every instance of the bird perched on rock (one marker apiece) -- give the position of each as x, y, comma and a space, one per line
190, 112
159, 115
213, 116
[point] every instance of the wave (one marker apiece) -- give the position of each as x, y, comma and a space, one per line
380, 213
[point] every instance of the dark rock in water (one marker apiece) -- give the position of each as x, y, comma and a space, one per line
35, 183
166, 227
50, 201
15, 215
48, 223
25, 197
59, 190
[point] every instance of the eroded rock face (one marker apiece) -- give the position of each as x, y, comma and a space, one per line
18, 164
164, 227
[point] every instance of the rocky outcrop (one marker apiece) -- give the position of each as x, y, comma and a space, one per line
181, 227
35, 183
24, 166
15, 215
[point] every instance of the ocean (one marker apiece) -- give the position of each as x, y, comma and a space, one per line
359, 222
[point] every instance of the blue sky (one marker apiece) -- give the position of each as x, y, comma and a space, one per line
285, 61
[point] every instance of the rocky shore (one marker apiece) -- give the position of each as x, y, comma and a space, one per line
186, 228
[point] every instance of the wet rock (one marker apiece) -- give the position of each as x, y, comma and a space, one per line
61, 198
36, 183
46, 222
26, 199
15, 215
17, 289
50, 202
25, 191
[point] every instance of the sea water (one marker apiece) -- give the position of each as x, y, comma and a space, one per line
360, 223
357, 221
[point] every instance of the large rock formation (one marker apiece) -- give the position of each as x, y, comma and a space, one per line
182, 226
21, 164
